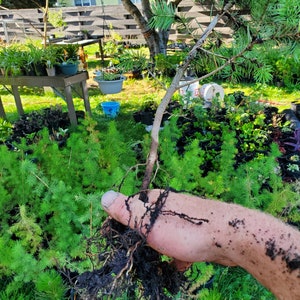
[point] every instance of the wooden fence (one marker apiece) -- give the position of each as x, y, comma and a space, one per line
17, 25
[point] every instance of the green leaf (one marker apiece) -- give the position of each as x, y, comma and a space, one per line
163, 15
263, 75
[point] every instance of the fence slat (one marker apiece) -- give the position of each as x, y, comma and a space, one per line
17, 24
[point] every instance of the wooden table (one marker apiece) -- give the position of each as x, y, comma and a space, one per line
59, 81
82, 44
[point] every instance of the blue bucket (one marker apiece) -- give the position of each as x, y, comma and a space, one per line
111, 108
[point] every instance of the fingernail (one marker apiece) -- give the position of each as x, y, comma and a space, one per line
108, 198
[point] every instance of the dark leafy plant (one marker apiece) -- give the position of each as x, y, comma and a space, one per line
296, 138
30, 124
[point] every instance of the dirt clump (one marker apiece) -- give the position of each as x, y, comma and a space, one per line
130, 268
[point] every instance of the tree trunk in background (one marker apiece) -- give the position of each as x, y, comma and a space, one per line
156, 40
45, 20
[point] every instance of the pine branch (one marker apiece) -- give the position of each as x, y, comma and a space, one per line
163, 15
227, 63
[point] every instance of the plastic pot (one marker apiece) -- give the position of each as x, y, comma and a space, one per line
111, 108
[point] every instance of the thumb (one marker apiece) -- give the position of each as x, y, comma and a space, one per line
108, 200
169, 235
126, 210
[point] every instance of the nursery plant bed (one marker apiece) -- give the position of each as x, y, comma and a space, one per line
191, 129
54, 119
128, 250
150, 273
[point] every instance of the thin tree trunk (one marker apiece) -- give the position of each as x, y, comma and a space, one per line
153, 154
45, 20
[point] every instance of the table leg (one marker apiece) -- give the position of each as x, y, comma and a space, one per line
70, 104
17, 99
2, 112
86, 97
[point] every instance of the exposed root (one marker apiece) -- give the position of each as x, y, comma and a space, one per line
131, 269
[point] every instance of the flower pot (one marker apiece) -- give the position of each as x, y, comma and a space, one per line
40, 69
193, 88
69, 69
209, 91
51, 71
295, 105
144, 117
111, 108
110, 86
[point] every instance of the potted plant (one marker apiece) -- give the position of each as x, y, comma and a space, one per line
147, 112
50, 68
28, 66
110, 80
51, 59
69, 63
35, 59
133, 61
12, 61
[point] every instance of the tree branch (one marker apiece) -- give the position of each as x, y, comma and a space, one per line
152, 157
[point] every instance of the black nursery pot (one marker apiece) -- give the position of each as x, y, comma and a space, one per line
290, 166
29, 70
295, 105
40, 69
144, 117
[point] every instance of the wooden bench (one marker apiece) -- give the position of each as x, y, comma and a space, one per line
82, 43
60, 81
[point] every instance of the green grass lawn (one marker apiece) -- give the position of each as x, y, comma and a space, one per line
276, 96
133, 95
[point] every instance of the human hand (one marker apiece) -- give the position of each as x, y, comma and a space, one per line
177, 225
192, 229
